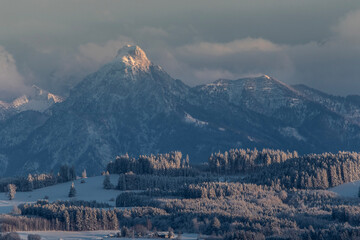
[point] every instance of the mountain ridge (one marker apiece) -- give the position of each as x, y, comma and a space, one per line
133, 106
36, 99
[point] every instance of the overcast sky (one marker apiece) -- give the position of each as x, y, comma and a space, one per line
55, 43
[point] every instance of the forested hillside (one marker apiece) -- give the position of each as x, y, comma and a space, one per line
239, 194
288, 169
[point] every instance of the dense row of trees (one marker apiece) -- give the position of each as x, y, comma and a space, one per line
71, 218
216, 190
245, 160
45, 216
78, 203
131, 181
30, 182
131, 199
171, 163
313, 171
288, 169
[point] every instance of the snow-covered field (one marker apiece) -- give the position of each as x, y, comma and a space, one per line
56, 235
92, 189
350, 189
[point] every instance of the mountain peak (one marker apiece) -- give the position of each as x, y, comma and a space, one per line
266, 76
134, 57
37, 99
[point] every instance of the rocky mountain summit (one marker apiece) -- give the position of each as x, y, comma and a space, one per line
131, 105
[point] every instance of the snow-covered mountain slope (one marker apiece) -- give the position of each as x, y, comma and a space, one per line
261, 94
6, 110
120, 108
349, 106
133, 106
17, 128
36, 99
275, 114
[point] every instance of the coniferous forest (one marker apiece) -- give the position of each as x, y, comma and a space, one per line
186, 120
238, 194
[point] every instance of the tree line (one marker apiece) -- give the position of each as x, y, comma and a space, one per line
237, 161
36, 181
171, 163
312, 171
288, 169
131, 181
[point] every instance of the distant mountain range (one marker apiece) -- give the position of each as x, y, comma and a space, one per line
37, 99
133, 106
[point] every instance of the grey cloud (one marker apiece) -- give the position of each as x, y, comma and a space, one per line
66, 68
330, 65
98, 54
206, 61
11, 82
311, 42
349, 28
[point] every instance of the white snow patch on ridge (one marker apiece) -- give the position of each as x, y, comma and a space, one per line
292, 132
197, 122
251, 139
37, 99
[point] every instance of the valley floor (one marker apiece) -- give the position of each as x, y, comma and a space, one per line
56, 235
91, 190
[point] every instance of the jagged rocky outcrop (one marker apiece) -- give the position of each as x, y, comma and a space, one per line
133, 106
36, 99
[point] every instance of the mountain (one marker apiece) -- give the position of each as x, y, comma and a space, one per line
36, 99
349, 106
273, 114
131, 105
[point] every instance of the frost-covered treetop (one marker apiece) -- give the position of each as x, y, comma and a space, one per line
134, 57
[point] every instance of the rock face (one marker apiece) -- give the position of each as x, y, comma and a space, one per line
132, 106
37, 100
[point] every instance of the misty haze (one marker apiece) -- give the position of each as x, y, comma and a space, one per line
179, 119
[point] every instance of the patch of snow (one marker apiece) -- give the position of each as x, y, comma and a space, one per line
292, 132
267, 77
91, 190
87, 235
251, 139
197, 122
56, 235
20, 101
37, 100
4, 104
350, 189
